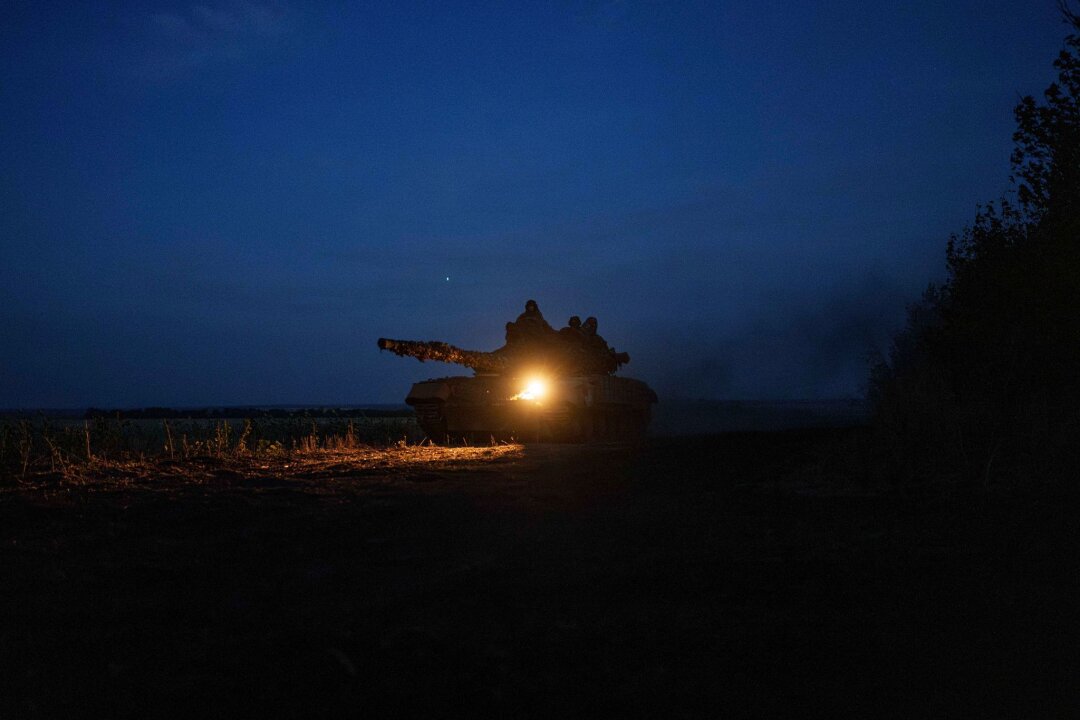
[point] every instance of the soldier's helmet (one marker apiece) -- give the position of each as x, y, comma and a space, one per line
574, 321
531, 307
590, 325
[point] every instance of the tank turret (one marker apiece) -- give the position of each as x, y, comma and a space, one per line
541, 385
557, 354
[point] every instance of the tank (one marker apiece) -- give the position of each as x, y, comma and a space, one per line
540, 387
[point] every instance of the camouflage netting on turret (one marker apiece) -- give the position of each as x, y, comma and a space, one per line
483, 362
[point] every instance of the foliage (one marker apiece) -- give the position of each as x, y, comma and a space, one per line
984, 378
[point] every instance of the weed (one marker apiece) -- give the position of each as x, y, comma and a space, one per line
59, 446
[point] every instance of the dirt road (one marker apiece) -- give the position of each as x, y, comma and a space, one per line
730, 575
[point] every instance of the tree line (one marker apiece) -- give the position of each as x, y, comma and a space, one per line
984, 380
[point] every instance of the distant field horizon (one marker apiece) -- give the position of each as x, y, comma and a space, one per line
676, 416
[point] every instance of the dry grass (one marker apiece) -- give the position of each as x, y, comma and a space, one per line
77, 450
250, 470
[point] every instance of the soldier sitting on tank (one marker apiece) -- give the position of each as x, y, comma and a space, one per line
573, 353
529, 326
533, 316
592, 339
572, 333
605, 354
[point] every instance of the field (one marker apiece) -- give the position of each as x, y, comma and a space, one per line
735, 574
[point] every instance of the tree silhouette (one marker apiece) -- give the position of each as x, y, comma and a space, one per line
986, 375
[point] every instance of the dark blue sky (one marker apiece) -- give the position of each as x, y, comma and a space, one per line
228, 202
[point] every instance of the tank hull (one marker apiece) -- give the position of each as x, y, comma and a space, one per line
571, 409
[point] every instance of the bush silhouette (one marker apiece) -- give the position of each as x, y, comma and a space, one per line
984, 380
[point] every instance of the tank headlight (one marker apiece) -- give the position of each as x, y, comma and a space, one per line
534, 390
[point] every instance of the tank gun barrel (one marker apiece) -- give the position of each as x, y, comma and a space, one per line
484, 362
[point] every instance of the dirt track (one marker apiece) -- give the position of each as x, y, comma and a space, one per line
739, 574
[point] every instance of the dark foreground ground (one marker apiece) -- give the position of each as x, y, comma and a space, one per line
730, 575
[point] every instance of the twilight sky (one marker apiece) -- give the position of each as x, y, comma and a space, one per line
229, 202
